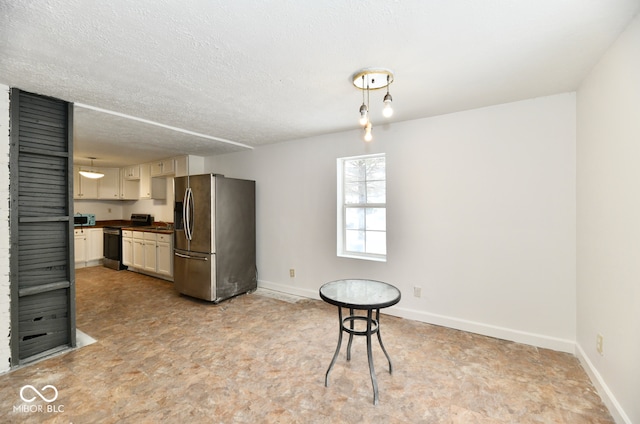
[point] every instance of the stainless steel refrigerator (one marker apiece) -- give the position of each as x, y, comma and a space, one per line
215, 237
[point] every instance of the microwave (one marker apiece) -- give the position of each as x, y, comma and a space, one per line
84, 219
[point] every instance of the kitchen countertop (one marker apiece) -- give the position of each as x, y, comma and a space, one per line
153, 229
160, 227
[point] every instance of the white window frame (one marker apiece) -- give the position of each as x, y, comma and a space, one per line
342, 208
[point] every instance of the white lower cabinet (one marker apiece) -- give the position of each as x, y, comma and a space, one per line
127, 248
95, 245
138, 249
164, 254
88, 247
148, 252
80, 247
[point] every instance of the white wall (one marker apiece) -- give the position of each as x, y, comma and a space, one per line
103, 209
481, 215
5, 289
608, 223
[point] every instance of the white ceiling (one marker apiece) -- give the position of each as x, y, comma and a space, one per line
260, 72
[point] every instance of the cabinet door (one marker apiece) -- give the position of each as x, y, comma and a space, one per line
86, 188
162, 168
168, 167
127, 251
132, 172
109, 185
156, 168
145, 181
138, 253
76, 183
165, 259
159, 187
180, 167
95, 244
80, 248
129, 189
89, 188
150, 255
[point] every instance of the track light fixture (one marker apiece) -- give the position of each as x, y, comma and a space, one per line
373, 79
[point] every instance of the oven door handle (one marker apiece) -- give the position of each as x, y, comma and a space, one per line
182, 255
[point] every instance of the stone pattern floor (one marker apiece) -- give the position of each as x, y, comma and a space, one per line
163, 358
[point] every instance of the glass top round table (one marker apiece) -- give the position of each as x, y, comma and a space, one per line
360, 294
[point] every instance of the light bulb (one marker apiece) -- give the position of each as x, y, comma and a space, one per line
367, 132
387, 111
364, 118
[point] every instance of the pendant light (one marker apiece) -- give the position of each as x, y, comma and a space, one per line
373, 79
387, 110
91, 172
364, 110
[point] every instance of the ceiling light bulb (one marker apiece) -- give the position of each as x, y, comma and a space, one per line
367, 132
364, 116
387, 111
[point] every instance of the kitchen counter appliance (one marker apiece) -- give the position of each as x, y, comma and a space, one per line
112, 240
214, 236
84, 219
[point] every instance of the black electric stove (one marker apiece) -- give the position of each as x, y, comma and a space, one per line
112, 241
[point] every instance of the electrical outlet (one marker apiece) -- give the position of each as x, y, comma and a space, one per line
292, 272
417, 291
599, 343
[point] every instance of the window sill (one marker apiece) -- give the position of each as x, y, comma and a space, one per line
363, 257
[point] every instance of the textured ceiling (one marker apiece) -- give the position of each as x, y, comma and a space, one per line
259, 72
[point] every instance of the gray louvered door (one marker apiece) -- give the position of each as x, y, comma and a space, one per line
42, 264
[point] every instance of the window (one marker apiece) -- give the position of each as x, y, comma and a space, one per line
362, 207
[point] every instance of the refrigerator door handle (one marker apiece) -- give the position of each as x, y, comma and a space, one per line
191, 209
186, 212
181, 255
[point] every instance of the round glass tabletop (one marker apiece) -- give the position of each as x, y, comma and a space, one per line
360, 294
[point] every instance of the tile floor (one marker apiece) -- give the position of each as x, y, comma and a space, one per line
162, 357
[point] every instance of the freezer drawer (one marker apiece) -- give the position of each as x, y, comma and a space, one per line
195, 274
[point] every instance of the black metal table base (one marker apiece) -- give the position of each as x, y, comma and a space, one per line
373, 326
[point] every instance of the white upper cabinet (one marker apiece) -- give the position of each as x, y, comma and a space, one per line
145, 181
109, 185
129, 189
83, 187
162, 168
189, 165
181, 166
151, 187
132, 172
105, 188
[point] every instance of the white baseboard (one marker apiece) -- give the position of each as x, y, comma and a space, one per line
311, 294
518, 336
618, 414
